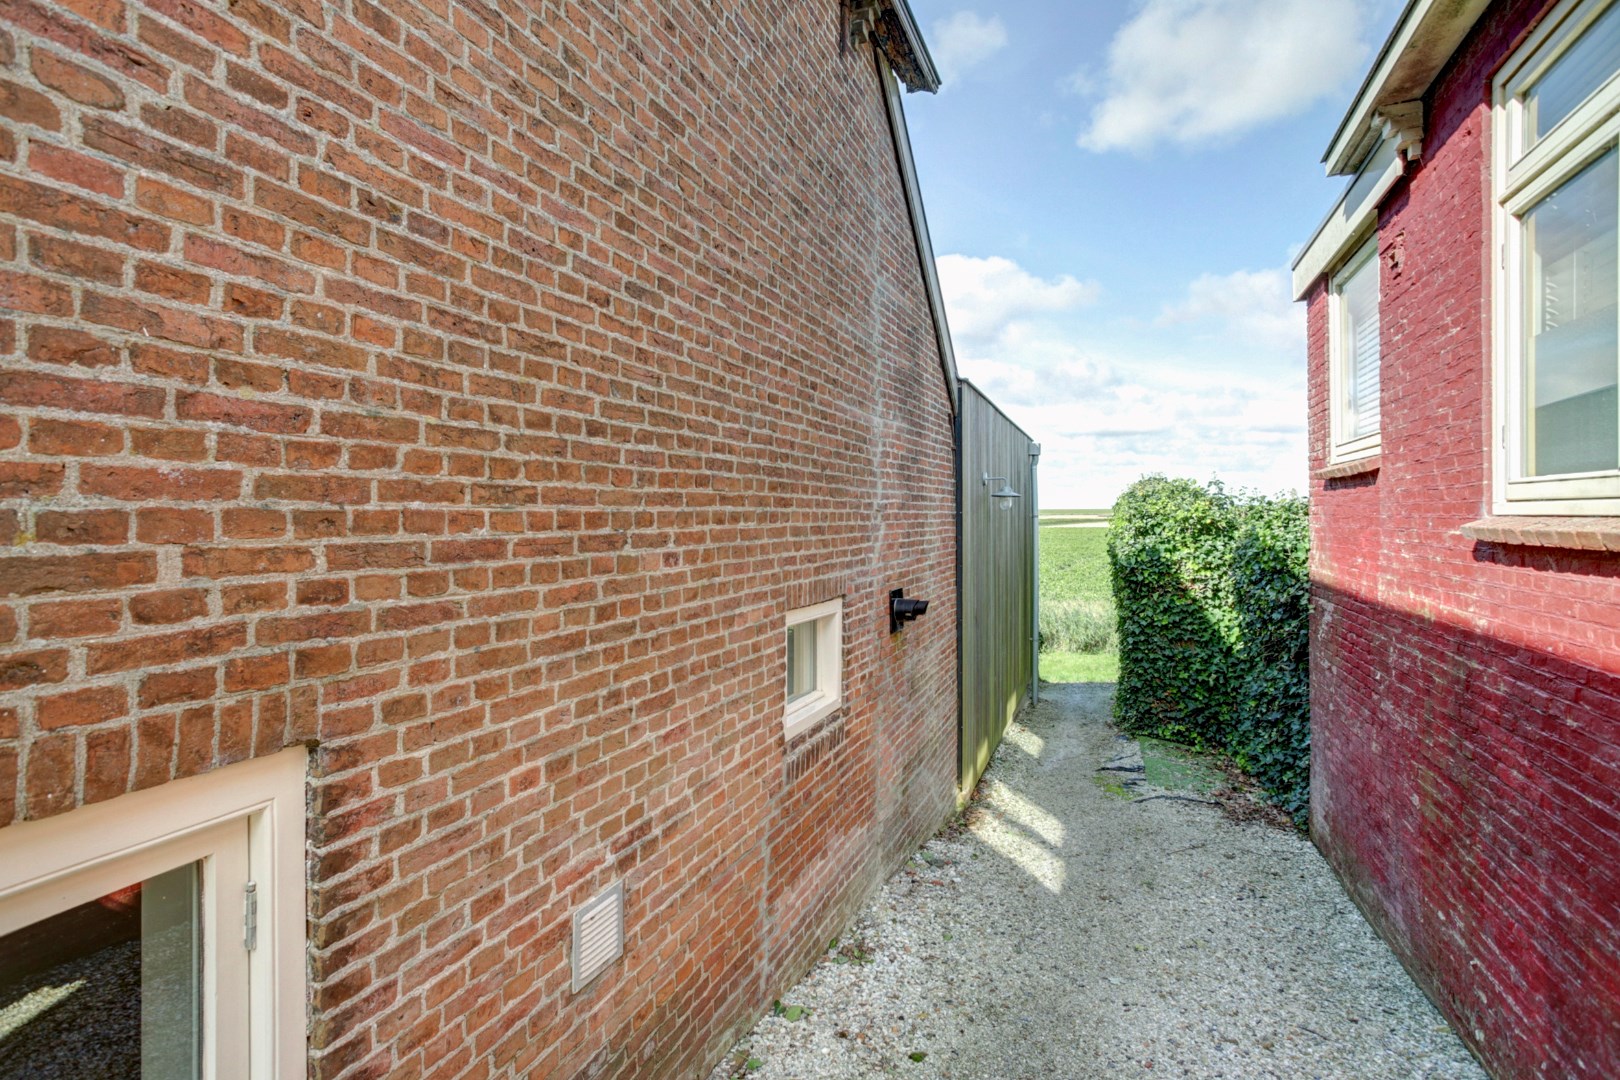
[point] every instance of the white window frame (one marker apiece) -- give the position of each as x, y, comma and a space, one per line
48, 866
1519, 182
1341, 448
828, 620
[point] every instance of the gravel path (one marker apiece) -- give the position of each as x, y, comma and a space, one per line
1078, 927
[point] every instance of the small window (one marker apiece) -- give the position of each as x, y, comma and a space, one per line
1354, 349
159, 934
1557, 181
815, 667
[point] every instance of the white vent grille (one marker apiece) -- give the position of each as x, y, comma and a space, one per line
598, 935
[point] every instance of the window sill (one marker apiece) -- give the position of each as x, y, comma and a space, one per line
1569, 533
807, 714
1344, 469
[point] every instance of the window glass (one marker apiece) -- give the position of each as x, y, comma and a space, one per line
1359, 295
801, 660
108, 989
1570, 80
1572, 349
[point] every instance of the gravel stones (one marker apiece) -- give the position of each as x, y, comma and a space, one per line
1070, 927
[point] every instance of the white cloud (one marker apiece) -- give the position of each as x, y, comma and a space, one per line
1216, 386
1249, 306
1191, 71
964, 41
984, 297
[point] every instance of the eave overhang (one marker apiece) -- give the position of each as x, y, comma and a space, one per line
1423, 41
892, 28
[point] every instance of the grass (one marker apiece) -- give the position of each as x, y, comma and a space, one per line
1077, 600
1074, 565
1080, 667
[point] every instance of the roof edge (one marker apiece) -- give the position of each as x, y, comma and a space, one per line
893, 30
1425, 36
912, 192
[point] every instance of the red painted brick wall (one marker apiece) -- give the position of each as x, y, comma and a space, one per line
1465, 696
468, 390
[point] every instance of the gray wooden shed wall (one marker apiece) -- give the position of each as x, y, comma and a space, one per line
998, 579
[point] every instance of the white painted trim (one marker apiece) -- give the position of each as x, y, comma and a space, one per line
828, 618
1348, 222
1423, 40
267, 794
1519, 181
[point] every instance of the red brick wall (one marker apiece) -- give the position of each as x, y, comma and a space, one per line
468, 390
1465, 696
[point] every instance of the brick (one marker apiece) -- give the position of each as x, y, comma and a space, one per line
30, 480
168, 444
230, 259
221, 562
321, 489
108, 527
74, 213
25, 575
25, 106
76, 169
172, 284
253, 523
76, 81
154, 155
168, 606
84, 262
241, 412
78, 708
84, 395
172, 687
152, 485
150, 319
170, 526
263, 596
349, 342
75, 618
25, 292
257, 672
57, 345
158, 649
168, 201
50, 784
107, 759
39, 666
1465, 675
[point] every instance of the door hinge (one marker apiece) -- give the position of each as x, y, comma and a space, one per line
250, 917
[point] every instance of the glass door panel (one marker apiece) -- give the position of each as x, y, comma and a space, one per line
107, 978
108, 988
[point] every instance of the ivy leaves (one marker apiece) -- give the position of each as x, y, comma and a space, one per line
1213, 593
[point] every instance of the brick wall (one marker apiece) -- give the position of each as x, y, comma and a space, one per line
468, 390
1465, 696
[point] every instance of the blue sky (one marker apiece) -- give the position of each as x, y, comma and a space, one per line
1115, 190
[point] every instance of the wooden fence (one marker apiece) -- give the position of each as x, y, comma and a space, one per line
998, 597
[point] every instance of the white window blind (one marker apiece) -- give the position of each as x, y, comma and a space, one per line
1359, 295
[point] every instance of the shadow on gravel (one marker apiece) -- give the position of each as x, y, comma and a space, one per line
1094, 913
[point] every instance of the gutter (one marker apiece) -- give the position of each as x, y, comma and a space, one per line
1034, 574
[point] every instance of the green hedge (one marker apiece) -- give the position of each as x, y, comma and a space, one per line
1214, 602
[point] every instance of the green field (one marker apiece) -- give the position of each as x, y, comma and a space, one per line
1077, 600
